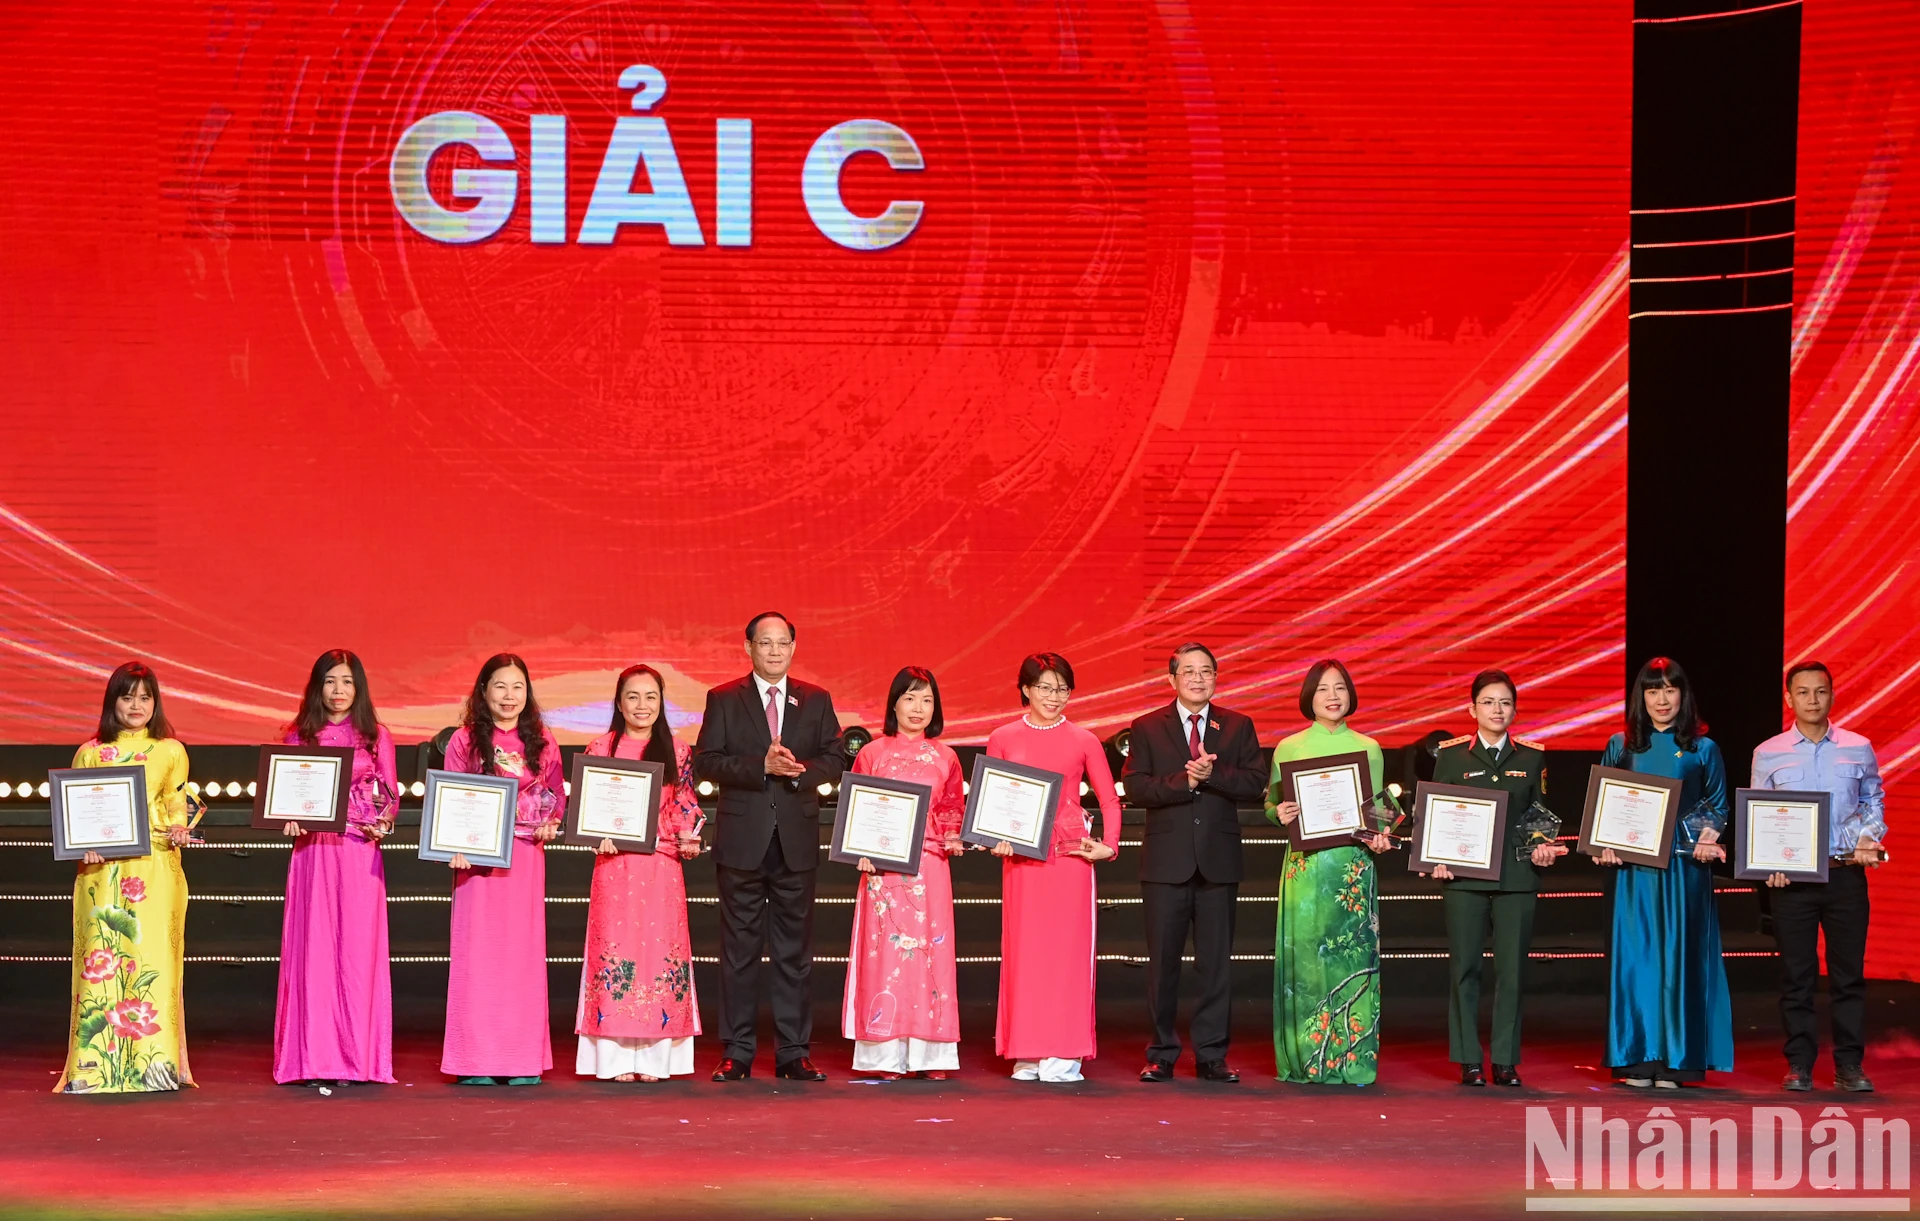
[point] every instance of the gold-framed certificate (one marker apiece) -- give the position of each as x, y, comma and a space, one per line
303, 784
1012, 803
615, 799
1782, 831
1332, 792
99, 809
880, 820
467, 815
1632, 813
1459, 826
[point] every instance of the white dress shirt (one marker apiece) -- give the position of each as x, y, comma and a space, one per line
780, 705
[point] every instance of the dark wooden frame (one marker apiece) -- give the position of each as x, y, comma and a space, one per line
1663, 853
1344, 837
142, 816
1419, 862
849, 785
982, 764
1743, 802
570, 832
502, 856
336, 820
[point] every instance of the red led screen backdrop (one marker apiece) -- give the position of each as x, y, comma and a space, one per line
1853, 531
955, 330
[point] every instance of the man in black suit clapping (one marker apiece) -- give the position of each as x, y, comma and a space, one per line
1190, 766
768, 741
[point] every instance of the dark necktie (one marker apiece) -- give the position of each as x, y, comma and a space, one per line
1193, 735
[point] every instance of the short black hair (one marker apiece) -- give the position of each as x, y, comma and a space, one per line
1801, 667
905, 681
1192, 646
1316, 672
1037, 664
793, 633
1490, 678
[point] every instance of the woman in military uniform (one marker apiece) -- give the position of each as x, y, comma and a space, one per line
1490, 758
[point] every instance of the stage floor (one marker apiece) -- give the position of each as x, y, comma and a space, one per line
979, 1146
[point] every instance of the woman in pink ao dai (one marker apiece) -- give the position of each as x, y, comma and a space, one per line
1047, 906
900, 1009
638, 1013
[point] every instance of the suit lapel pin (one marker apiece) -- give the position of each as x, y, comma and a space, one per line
793, 701
1213, 724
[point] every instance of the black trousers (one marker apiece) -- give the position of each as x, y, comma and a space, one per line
1801, 912
1171, 910
770, 909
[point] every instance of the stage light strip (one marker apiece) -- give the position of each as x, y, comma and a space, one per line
1691, 313
1732, 12
1714, 241
841, 900
1727, 207
574, 960
1725, 275
288, 845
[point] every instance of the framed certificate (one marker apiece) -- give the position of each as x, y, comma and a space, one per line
616, 799
1011, 802
882, 820
303, 784
1332, 792
1461, 827
468, 815
99, 809
1631, 813
1782, 831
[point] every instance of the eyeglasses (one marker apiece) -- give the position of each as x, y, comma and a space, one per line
1202, 672
1050, 689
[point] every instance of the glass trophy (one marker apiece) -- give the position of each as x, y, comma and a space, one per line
1700, 817
1384, 815
385, 802
1542, 827
1879, 855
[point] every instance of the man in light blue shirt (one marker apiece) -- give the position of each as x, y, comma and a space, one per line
1819, 756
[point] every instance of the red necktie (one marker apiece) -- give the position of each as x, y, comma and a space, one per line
1193, 735
773, 713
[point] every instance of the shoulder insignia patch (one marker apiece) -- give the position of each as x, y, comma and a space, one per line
1465, 737
1530, 743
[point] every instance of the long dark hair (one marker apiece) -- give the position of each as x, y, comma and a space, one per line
660, 738
129, 676
1687, 725
905, 681
479, 722
313, 704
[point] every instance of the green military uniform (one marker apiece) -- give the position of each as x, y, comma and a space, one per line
1520, 769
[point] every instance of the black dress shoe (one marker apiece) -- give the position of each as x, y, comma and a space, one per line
731, 1069
1798, 1080
1852, 1080
798, 1070
1506, 1074
1472, 1074
1157, 1070
1216, 1070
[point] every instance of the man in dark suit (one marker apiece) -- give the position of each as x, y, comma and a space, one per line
767, 741
1190, 766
